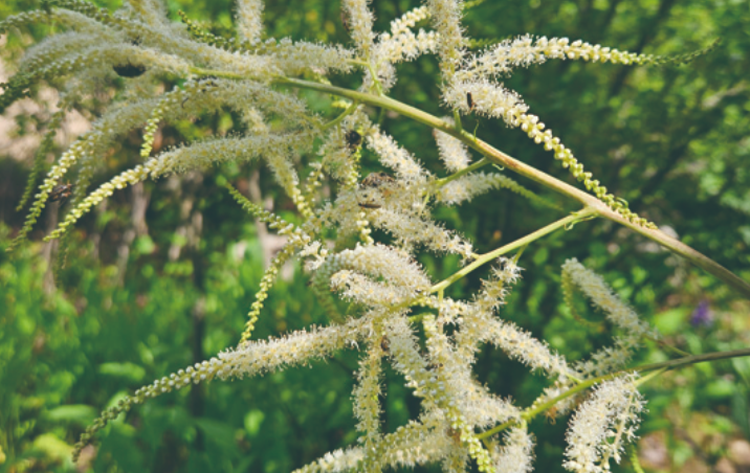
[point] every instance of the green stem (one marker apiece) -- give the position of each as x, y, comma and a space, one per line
349, 110
521, 242
370, 68
658, 367
471, 168
457, 121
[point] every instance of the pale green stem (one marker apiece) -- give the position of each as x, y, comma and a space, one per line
498, 157
658, 367
341, 117
521, 242
471, 168
369, 67
457, 121
519, 253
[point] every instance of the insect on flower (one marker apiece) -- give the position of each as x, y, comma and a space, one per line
369, 205
377, 179
469, 101
385, 344
353, 139
61, 192
454, 434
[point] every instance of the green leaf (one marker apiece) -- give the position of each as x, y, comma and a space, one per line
671, 321
720, 388
253, 421
129, 371
79, 414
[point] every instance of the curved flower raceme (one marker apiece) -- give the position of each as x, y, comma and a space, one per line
602, 425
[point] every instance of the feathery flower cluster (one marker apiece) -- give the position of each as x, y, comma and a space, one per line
446, 16
433, 350
380, 261
407, 21
393, 156
603, 425
365, 396
516, 455
407, 46
453, 153
359, 21
519, 344
431, 386
335, 461
497, 286
41, 153
412, 231
168, 101
152, 11
469, 186
618, 313
250, 20
476, 78
524, 51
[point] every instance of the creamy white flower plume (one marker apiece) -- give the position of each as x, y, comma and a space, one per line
395, 157
523, 51
359, 21
336, 461
258, 357
488, 98
453, 153
517, 454
593, 286
603, 425
446, 16
394, 266
412, 231
250, 20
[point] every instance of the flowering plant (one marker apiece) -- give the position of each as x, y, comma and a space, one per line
398, 314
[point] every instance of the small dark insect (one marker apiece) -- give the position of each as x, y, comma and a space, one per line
61, 193
436, 366
385, 344
469, 101
369, 205
129, 70
455, 434
377, 179
353, 139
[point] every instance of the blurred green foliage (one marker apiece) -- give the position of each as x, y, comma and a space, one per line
672, 141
